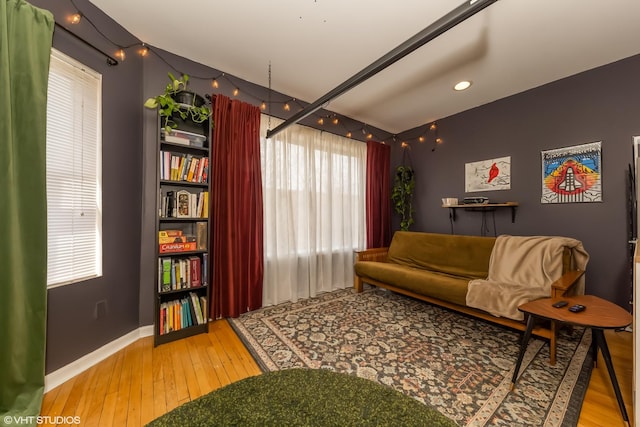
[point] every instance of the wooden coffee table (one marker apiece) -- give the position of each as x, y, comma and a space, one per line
599, 315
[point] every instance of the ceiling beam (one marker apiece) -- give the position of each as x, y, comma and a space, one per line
448, 21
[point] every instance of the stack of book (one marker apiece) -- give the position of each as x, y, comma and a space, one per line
177, 136
183, 167
182, 313
179, 273
183, 204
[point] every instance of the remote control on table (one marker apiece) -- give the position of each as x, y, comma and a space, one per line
560, 304
577, 308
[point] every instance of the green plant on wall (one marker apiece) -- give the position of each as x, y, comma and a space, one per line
169, 107
402, 195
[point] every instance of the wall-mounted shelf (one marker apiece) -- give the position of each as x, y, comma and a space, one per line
483, 208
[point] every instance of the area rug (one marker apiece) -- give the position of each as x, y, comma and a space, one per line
457, 364
304, 397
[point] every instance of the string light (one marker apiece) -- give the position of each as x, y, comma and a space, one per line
143, 50
75, 18
421, 138
120, 54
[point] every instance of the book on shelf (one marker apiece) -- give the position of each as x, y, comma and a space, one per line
182, 313
165, 276
205, 205
196, 272
195, 300
205, 269
201, 235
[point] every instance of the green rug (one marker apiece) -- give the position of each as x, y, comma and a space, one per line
304, 397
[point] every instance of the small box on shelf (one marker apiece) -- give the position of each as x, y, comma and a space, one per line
167, 248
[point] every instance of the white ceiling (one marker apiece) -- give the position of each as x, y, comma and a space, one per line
314, 45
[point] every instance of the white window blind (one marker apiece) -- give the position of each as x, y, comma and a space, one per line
74, 172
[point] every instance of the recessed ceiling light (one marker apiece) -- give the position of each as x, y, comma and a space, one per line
462, 85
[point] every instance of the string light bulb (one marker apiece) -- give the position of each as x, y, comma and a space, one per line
286, 107
263, 106
236, 91
369, 136
120, 54
321, 121
438, 140
421, 138
75, 18
336, 121
404, 144
214, 83
348, 134
433, 126
144, 50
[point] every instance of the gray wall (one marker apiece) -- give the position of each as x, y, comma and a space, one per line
74, 325
597, 105
592, 106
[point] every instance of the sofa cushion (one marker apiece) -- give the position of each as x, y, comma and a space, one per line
456, 255
436, 285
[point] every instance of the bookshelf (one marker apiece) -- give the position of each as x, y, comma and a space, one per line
182, 279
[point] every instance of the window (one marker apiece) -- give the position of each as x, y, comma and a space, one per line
314, 211
74, 172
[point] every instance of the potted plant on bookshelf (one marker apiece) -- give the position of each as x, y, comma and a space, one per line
177, 103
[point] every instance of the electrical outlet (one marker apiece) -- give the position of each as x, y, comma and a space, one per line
100, 310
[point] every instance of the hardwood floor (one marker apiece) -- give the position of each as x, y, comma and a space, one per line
140, 382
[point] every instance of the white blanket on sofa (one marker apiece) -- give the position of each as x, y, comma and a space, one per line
522, 269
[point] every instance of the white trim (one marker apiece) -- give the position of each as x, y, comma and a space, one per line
64, 374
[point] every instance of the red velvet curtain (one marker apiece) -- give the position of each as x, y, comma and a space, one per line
236, 208
378, 195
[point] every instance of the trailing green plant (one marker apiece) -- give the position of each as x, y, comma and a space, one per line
170, 108
404, 183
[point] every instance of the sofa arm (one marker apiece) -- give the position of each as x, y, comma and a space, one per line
374, 254
564, 284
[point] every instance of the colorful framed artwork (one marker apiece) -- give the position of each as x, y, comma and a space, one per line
572, 174
488, 175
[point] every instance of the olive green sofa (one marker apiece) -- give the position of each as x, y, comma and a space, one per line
437, 268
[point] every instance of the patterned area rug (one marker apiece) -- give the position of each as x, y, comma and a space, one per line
454, 363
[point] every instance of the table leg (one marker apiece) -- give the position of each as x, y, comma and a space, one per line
602, 343
523, 348
594, 349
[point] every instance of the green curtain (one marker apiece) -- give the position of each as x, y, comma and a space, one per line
26, 34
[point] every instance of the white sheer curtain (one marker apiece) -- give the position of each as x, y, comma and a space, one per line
314, 211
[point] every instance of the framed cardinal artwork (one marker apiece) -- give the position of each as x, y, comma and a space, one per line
572, 174
487, 175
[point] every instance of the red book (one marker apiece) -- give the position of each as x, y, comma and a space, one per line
195, 272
